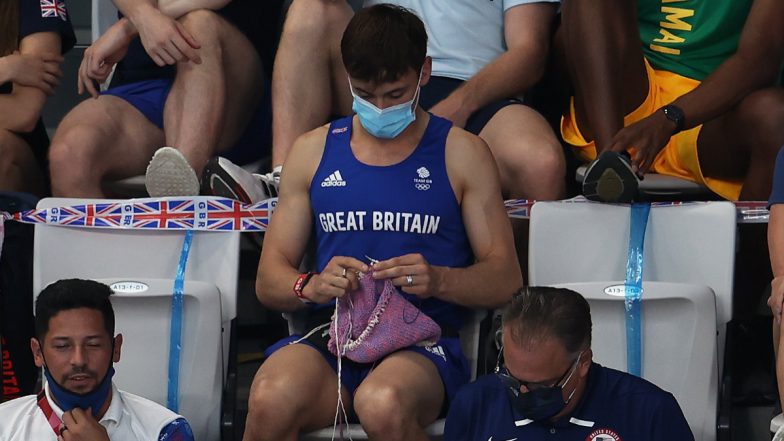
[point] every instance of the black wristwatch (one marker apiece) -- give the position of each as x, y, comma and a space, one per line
675, 114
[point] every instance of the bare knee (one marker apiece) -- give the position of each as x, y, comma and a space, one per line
74, 156
204, 25
382, 412
317, 17
762, 113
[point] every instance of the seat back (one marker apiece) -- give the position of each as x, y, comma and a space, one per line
144, 320
104, 15
679, 347
588, 242
150, 258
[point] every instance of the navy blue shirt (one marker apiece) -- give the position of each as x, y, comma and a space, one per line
777, 194
44, 16
615, 407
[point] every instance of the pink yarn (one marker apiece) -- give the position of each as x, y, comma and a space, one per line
376, 320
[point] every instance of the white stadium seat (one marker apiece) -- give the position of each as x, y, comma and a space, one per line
133, 259
691, 244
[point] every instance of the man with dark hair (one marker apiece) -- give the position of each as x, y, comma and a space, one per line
393, 185
76, 347
550, 389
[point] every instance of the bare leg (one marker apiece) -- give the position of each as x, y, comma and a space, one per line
529, 157
778, 325
211, 103
294, 390
308, 81
18, 168
100, 138
743, 143
399, 398
604, 93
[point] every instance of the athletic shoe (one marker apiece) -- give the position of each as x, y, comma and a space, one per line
223, 178
169, 174
610, 178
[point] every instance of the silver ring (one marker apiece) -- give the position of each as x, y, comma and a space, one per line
410, 280
343, 274
63, 428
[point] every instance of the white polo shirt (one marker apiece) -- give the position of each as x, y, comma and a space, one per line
128, 418
463, 36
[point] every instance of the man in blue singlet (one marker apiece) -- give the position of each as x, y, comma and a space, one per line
399, 185
550, 389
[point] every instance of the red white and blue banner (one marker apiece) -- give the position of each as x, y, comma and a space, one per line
201, 213
208, 213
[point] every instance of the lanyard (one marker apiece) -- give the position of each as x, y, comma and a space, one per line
54, 421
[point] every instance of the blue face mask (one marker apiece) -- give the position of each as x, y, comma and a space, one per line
385, 123
67, 400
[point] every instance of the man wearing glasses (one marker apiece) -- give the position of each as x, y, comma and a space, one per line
549, 388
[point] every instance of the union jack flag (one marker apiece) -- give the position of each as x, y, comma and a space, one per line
37, 216
519, 208
164, 214
229, 215
53, 8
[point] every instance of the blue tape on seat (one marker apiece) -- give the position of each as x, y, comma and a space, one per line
633, 287
175, 332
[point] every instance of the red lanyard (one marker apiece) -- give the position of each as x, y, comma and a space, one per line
51, 417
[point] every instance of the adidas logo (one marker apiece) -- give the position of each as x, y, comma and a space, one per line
334, 180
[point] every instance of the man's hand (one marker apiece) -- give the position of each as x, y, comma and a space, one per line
32, 70
165, 39
81, 426
648, 136
412, 273
776, 299
453, 108
338, 277
101, 56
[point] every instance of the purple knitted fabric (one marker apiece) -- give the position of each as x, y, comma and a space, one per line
375, 320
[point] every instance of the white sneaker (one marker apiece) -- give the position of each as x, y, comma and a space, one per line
223, 178
169, 174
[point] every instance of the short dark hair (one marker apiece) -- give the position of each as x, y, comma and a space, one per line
72, 294
540, 312
382, 42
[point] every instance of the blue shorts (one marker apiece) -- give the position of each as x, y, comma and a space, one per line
447, 355
439, 88
149, 98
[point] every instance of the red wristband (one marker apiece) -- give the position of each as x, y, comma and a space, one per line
299, 285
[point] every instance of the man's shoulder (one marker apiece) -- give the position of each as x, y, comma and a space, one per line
14, 413
138, 402
480, 390
619, 384
27, 401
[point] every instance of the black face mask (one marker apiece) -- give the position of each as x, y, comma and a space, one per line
539, 403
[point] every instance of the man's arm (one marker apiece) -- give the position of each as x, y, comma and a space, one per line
163, 37
495, 274
288, 234
21, 109
754, 65
527, 30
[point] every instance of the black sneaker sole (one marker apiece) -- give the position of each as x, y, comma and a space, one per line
611, 179
217, 182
